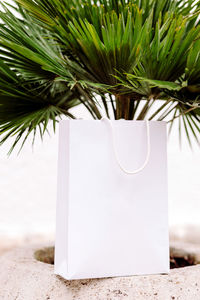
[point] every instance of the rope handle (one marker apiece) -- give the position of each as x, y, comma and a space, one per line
115, 150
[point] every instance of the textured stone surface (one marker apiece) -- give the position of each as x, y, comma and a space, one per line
24, 278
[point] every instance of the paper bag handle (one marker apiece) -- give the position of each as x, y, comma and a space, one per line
115, 150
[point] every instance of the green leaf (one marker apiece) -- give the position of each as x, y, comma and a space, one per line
159, 83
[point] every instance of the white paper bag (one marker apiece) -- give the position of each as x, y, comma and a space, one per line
112, 206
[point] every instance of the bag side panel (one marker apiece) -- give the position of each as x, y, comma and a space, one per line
61, 243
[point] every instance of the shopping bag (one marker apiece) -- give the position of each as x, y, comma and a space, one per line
112, 208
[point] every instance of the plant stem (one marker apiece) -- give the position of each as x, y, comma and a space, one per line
122, 107
160, 109
144, 110
103, 98
167, 111
131, 109
91, 104
182, 114
113, 106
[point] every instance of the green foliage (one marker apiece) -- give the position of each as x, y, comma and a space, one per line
117, 56
26, 105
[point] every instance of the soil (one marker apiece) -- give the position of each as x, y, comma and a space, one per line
178, 257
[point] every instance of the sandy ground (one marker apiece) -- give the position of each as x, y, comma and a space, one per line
33, 280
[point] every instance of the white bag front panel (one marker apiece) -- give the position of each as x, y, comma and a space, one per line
110, 223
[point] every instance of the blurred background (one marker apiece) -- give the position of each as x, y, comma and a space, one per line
28, 190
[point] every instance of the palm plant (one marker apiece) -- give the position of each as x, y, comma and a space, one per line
115, 57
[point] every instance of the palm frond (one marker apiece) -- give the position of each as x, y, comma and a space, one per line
120, 56
26, 107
